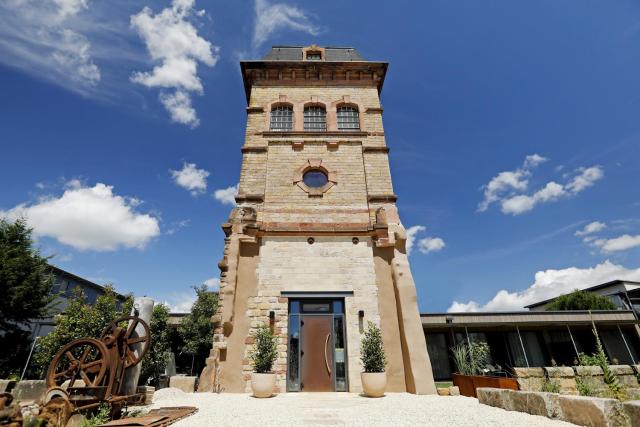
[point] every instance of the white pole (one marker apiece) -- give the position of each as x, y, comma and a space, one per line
144, 306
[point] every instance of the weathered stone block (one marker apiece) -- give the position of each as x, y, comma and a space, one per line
626, 375
564, 377
30, 390
496, 397
632, 410
183, 382
454, 390
530, 379
591, 411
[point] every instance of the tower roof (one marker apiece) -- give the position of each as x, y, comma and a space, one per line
295, 53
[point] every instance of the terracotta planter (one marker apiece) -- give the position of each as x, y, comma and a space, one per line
469, 383
373, 383
263, 384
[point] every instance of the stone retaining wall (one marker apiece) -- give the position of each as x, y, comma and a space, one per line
580, 410
569, 378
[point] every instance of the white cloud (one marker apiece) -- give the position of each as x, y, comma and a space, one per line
41, 37
89, 218
591, 228
191, 178
508, 188
430, 244
550, 284
181, 303
227, 196
271, 18
411, 236
173, 42
426, 244
213, 284
585, 179
509, 181
618, 244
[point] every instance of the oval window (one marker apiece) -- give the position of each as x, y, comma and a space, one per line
315, 178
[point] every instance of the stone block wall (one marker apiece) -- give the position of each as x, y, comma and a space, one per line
329, 264
569, 378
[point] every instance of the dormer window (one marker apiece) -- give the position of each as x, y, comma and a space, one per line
314, 56
282, 118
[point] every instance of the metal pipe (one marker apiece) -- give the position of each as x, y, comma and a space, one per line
526, 359
26, 365
626, 345
572, 341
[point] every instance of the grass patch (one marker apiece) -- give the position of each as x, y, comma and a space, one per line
443, 384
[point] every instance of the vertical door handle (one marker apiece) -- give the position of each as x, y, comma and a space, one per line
326, 361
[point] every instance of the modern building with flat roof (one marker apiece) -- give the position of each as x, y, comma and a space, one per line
537, 337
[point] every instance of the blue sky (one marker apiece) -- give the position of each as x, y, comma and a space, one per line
531, 107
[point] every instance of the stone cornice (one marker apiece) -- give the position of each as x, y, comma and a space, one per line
373, 110
312, 73
255, 110
318, 135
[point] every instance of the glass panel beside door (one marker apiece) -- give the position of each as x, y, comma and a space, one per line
317, 355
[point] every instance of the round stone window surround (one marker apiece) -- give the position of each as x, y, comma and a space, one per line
310, 165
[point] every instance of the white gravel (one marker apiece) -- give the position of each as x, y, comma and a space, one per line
341, 409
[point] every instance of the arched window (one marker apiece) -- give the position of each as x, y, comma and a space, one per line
315, 118
282, 118
348, 118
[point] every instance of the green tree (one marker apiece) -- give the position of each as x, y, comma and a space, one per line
156, 359
372, 350
78, 320
580, 300
196, 329
25, 284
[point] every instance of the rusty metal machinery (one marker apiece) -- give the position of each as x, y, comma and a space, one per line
89, 372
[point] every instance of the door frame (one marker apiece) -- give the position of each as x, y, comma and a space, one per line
300, 318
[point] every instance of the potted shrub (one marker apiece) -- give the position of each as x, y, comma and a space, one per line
374, 378
472, 361
264, 354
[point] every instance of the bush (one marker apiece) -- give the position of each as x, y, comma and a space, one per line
196, 329
265, 350
155, 361
580, 300
550, 386
372, 350
471, 359
79, 320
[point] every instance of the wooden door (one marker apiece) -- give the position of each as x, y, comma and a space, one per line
317, 353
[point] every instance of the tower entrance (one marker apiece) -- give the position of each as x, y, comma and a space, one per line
316, 345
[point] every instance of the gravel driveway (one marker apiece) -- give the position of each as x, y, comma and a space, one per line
341, 409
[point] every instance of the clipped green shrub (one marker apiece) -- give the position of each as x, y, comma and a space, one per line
372, 350
265, 350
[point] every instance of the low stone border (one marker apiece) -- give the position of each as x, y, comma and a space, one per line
580, 410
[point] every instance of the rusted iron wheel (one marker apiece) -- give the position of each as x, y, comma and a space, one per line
84, 359
131, 338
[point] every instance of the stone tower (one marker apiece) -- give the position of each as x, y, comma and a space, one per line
315, 247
